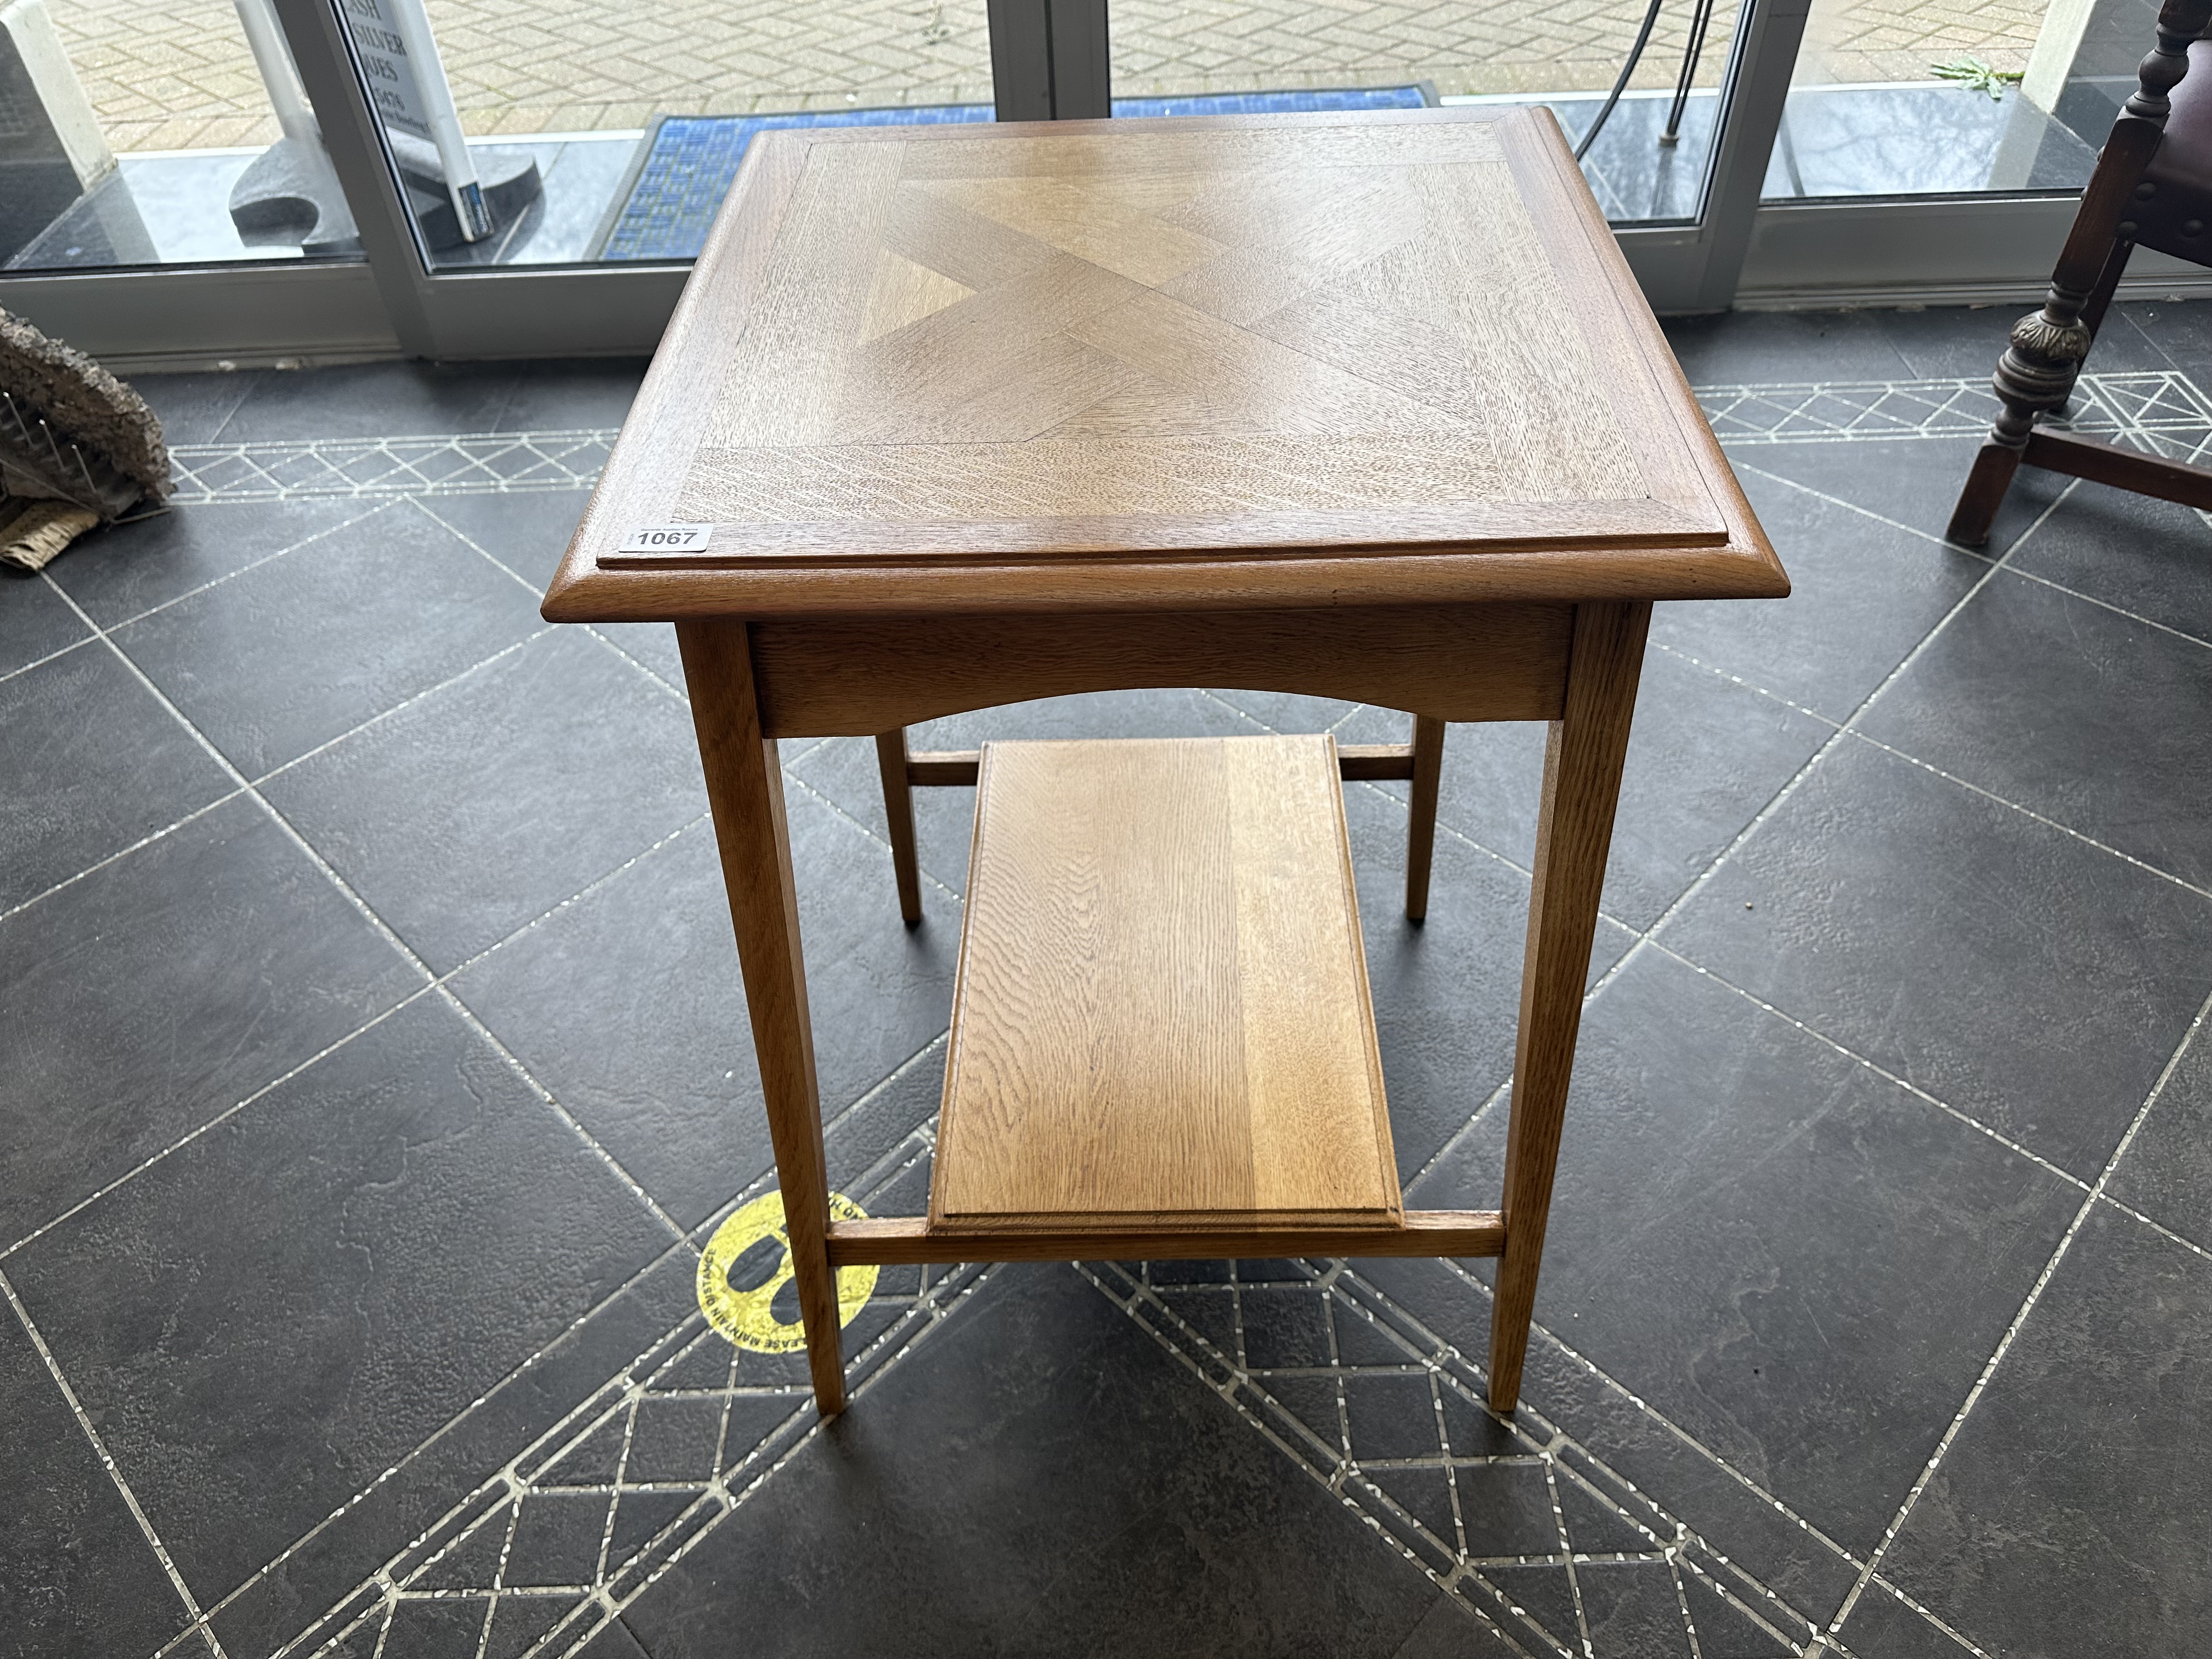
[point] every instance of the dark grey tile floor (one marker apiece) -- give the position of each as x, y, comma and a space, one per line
373, 1071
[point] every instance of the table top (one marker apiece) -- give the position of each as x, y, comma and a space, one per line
1242, 360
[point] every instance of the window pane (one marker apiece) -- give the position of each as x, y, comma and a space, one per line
133, 134
610, 131
1195, 56
2006, 96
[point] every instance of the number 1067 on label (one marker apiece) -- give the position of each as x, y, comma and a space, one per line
668, 538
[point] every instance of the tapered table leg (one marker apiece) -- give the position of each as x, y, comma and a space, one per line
898, 818
1421, 833
745, 785
1581, 784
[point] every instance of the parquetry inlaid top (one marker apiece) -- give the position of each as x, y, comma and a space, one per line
983, 357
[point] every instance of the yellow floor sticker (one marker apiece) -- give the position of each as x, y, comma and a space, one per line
745, 1286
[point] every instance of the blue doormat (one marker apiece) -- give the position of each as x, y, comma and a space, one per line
690, 159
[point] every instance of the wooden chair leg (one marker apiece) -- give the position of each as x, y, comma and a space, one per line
1994, 462
2108, 283
744, 786
2037, 371
2032, 374
1421, 834
898, 814
1581, 784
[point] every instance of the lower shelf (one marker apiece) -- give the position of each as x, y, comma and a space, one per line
891, 1240
1160, 1024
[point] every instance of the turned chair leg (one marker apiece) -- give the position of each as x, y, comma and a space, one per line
1421, 833
2035, 377
2039, 367
898, 813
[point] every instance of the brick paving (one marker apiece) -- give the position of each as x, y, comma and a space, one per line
177, 75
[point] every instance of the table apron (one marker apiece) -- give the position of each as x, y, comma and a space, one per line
857, 676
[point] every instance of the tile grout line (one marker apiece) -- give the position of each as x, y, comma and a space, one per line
248, 786
1930, 537
1143, 1296
122, 853
407, 1001
1636, 1401
422, 505
683, 1247
406, 702
2106, 604
1881, 1071
1752, 686
791, 778
254, 465
1846, 727
1917, 1606
114, 1474
1434, 1363
50, 656
407, 952
59, 591
229, 575
211, 1124
1459, 1136
673, 1250
924, 1312
1828, 746
2094, 1194
2030, 812
2019, 1320
1960, 1113
2158, 1227
1953, 777
932, 1318
1649, 935
259, 381
660, 682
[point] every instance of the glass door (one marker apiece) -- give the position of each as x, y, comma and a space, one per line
611, 133
170, 150
1937, 151
593, 163
132, 136
485, 178
536, 181
1636, 86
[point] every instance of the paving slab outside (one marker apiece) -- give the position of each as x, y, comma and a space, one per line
180, 76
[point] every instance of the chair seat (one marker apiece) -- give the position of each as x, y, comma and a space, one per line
1162, 1015
2175, 215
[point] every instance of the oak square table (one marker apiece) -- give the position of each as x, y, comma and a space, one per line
1366, 406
